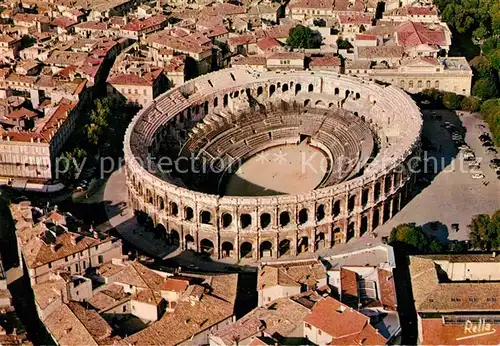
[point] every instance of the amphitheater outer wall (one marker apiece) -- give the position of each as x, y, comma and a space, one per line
255, 227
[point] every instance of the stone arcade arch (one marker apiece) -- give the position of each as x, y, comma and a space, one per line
206, 246
225, 100
284, 88
272, 89
376, 218
351, 204
265, 220
320, 241
337, 91
303, 217
336, 208
284, 218
174, 209
246, 250
266, 249
350, 231
364, 225
188, 214
337, 235
206, 217
174, 237
161, 203
245, 220
189, 242
260, 90
320, 212
284, 248
310, 88
303, 245
227, 220
227, 249
298, 87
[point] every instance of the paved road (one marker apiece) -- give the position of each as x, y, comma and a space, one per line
452, 197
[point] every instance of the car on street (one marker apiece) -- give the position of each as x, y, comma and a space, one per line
464, 147
494, 163
478, 176
425, 102
474, 165
485, 138
491, 151
193, 267
487, 144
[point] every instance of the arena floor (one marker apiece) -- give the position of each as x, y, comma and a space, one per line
285, 169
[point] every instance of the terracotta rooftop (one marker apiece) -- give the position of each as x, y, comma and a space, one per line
92, 321
40, 245
380, 51
67, 329
191, 317
325, 61
345, 325
268, 44
252, 60
355, 19
412, 34
93, 25
279, 319
147, 79
48, 291
366, 37
21, 113
175, 284
291, 274
63, 22
387, 289
433, 292
349, 285
144, 24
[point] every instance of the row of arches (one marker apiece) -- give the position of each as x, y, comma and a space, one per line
284, 218
309, 240
419, 84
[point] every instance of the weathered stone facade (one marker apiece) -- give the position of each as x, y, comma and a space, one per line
243, 227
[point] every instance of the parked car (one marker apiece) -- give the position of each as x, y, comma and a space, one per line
485, 138
487, 144
491, 150
478, 176
464, 147
494, 163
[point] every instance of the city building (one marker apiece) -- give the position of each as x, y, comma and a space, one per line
457, 298
283, 279
46, 247
140, 88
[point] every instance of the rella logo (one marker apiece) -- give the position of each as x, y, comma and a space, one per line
474, 330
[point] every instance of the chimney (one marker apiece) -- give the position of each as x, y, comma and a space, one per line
53, 247
494, 254
73, 239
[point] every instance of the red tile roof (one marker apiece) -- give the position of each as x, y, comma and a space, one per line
366, 37
64, 22
325, 61
21, 113
345, 325
356, 19
421, 11
349, 286
147, 79
387, 289
412, 34
175, 284
268, 43
144, 24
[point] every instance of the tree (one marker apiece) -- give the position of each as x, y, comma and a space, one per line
410, 235
343, 44
491, 112
484, 88
470, 103
302, 37
451, 100
485, 231
434, 95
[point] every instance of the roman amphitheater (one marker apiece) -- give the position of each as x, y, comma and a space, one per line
260, 164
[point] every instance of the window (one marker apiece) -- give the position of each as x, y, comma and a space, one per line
268, 299
97, 247
308, 326
84, 265
50, 265
77, 267
100, 259
69, 269
319, 331
66, 259
491, 299
124, 308
77, 293
74, 255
